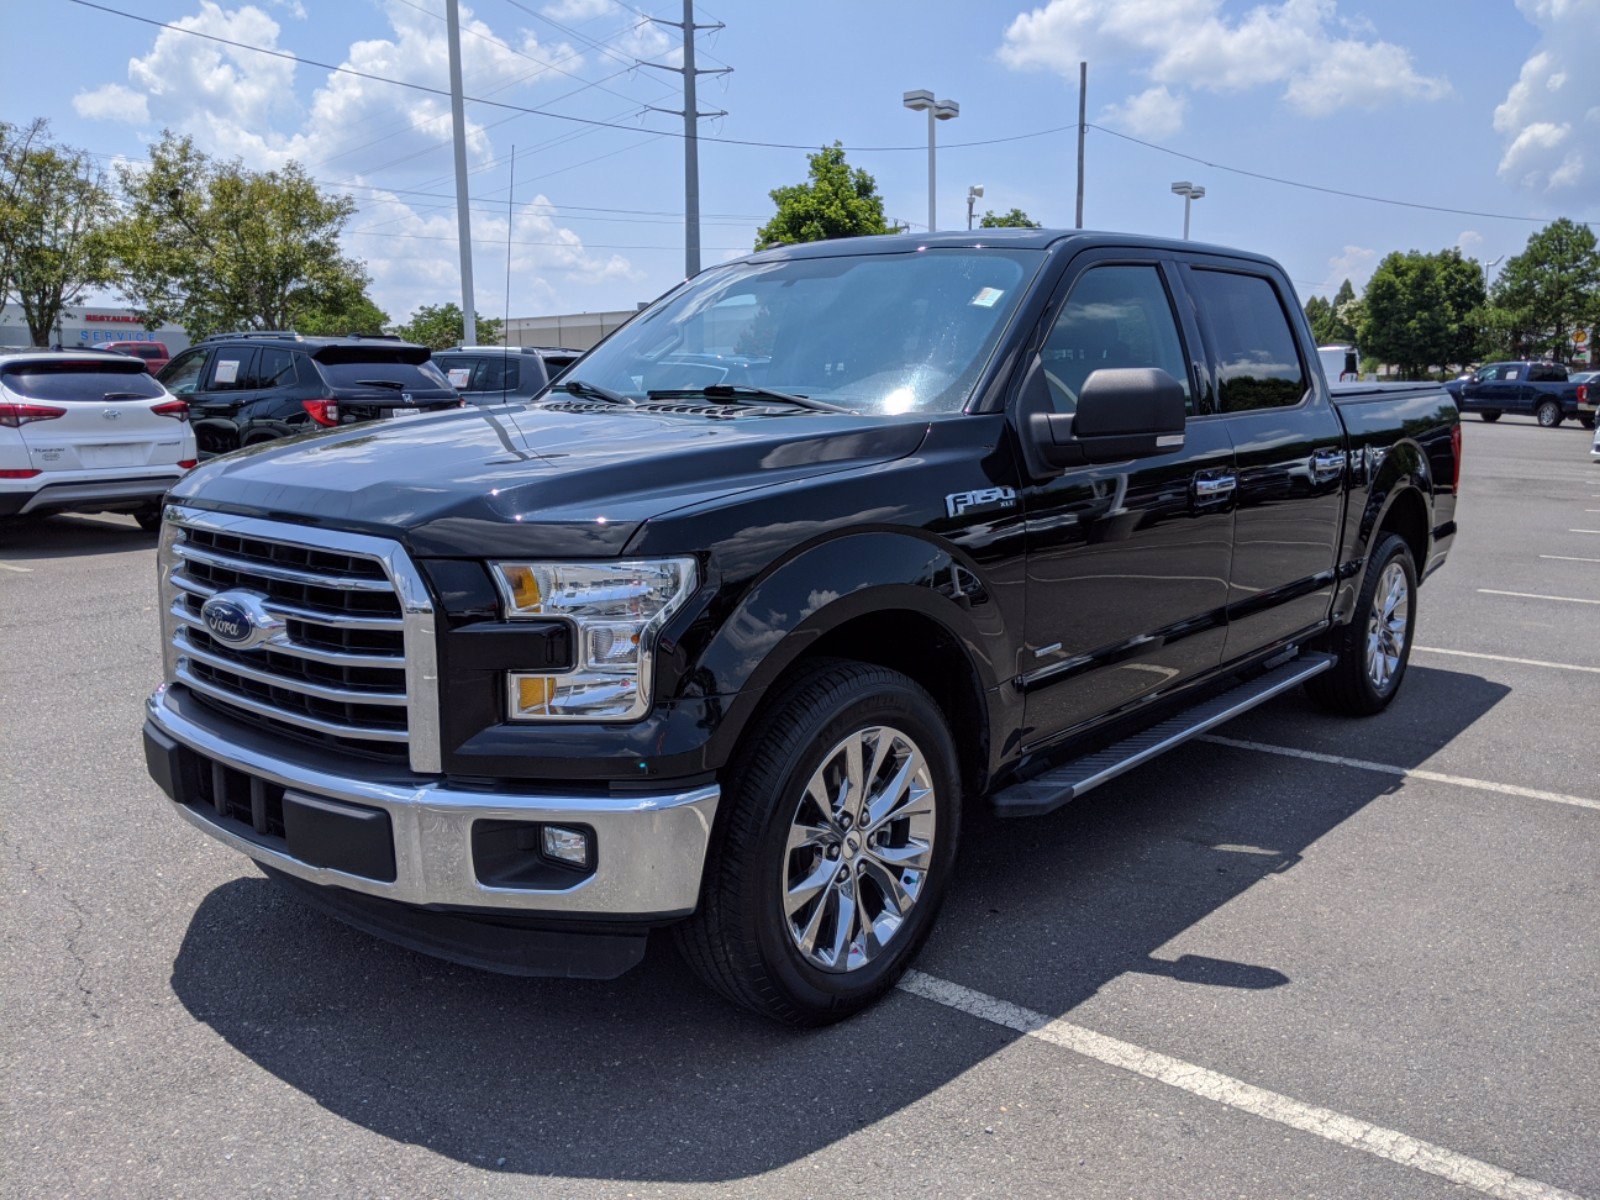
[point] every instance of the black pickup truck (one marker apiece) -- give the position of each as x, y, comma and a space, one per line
723, 631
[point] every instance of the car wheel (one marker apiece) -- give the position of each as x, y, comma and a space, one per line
833, 849
149, 519
1548, 414
1372, 651
1586, 422
1490, 417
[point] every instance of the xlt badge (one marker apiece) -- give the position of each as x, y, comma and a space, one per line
957, 503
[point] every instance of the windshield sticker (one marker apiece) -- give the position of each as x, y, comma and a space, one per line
460, 376
1513, 373
987, 297
227, 370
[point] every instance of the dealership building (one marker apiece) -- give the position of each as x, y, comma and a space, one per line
86, 325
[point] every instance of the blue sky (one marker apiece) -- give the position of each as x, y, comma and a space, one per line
1479, 105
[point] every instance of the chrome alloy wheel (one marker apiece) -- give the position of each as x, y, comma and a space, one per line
859, 849
1387, 626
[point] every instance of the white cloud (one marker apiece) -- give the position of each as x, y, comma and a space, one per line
1322, 62
235, 103
112, 102
1469, 241
1550, 119
1356, 264
1154, 113
578, 10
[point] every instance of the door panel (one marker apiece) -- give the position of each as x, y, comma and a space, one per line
1289, 451
1127, 562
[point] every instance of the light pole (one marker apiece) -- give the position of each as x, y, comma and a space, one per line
1190, 193
938, 110
975, 192
1487, 267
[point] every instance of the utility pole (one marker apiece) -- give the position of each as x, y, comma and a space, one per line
1083, 108
922, 100
469, 310
692, 116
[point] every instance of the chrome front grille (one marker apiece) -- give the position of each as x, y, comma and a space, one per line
353, 662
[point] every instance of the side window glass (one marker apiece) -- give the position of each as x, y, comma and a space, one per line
183, 373
230, 369
1258, 365
274, 368
1116, 316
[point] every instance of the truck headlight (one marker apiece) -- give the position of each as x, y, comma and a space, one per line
616, 609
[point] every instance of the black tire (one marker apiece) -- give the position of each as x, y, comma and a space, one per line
1490, 417
1548, 414
1586, 422
1347, 687
739, 941
149, 519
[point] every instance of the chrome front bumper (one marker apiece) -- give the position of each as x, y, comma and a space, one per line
650, 849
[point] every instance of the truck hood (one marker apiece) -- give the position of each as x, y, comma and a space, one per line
532, 480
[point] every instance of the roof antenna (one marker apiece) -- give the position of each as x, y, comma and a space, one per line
505, 325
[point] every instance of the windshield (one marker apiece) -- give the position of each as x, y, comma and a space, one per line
877, 333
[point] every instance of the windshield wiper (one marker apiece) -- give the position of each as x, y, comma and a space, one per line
740, 392
591, 391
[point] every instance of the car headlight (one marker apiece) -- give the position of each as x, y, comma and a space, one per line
616, 609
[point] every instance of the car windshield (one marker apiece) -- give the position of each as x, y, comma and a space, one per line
876, 333
90, 381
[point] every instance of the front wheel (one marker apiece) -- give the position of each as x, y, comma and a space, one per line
1373, 649
834, 848
1548, 414
1490, 417
1587, 422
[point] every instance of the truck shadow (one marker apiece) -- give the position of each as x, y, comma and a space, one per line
24, 539
652, 1078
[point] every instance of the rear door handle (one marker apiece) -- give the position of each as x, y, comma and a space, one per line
1326, 464
1215, 487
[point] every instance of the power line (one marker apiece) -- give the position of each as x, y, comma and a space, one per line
542, 112
1316, 187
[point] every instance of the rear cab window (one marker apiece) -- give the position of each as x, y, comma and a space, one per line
81, 380
1258, 361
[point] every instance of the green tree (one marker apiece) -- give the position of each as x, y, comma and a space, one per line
212, 245
1015, 219
347, 309
1345, 321
1319, 314
59, 211
1418, 310
16, 144
839, 201
440, 326
1551, 288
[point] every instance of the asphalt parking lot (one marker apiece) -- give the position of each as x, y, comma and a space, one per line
1254, 968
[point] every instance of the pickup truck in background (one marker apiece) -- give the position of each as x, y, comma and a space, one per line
1538, 389
721, 633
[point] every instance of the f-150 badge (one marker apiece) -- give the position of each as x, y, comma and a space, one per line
957, 503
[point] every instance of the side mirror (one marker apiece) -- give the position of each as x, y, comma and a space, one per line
1123, 413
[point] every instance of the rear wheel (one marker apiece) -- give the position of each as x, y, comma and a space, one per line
1373, 649
149, 519
1548, 414
1490, 417
1586, 422
834, 849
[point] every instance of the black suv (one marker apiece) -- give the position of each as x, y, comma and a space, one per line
492, 374
245, 388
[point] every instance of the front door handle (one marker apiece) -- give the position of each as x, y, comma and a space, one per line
1327, 464
1215, 487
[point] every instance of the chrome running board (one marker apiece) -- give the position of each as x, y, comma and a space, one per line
1048, 792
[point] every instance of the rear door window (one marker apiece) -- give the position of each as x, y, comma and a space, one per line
81, 381
1258, 363
274, 368
231, 369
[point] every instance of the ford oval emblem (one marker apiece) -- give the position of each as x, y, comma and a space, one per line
239, 619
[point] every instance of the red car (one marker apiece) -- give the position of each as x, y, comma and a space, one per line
154, 354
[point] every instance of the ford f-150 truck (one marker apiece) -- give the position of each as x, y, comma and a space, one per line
1538, 389
723, 631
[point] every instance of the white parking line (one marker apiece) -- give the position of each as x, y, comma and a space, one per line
1527, 662
1568, 558
1235, 1093
1583, 531
19, 570
1361, 764
1537, 596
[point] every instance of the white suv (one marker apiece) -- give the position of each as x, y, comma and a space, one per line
87, 431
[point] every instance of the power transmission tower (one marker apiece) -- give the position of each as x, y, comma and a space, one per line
692, 116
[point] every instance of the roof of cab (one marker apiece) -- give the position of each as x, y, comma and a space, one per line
974, 239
